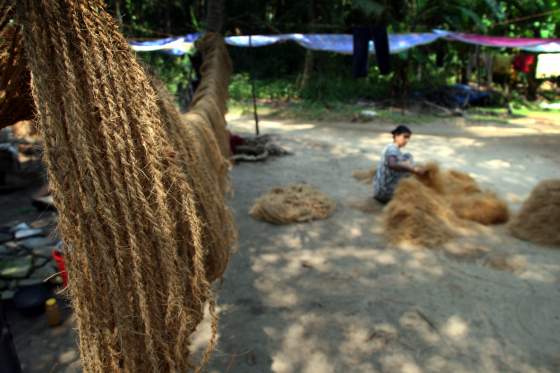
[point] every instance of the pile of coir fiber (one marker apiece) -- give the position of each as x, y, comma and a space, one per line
293, 204
433, 209
539, 218
365, 176
139, 190
465, 197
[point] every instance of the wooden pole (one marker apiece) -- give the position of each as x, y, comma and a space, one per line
253, 88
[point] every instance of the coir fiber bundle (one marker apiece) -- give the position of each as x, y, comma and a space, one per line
365, 176
467, 200
140, 194
420, 216
539, 217
430, 210
485, 208
209, 101
293, 204
16, 103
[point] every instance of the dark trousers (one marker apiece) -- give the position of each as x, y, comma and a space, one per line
361, 38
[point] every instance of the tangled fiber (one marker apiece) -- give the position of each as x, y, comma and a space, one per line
539, 218
140, 191
366, 205
16, 102
364, 176
465, 197
255, 149
505, 262
292, 204
420, 216
24, 130
432, 209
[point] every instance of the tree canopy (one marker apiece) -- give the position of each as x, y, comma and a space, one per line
145, 19
151, 18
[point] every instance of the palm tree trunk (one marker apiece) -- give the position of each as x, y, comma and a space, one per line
215, 15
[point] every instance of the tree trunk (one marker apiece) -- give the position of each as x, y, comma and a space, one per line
197, 10
532, 82
307, 69
478, 67
167, 9
489, 64
118, 13
215, 15
532, 85
464, 75
309, 58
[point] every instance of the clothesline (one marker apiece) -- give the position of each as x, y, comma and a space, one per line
342, 43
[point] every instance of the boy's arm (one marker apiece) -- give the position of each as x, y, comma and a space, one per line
394, 164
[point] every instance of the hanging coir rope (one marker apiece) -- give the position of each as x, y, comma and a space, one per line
140, 193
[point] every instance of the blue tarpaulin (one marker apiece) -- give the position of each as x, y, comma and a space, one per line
176, 46
339, 43
342, 43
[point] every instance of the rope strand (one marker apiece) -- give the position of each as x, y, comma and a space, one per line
140, 190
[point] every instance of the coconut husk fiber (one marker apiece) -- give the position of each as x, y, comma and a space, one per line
209, 100
465, 197
420, 216
139, 189
539, 218
294, 203
16, 102
365, 176
367, 205
432, 209
505, 262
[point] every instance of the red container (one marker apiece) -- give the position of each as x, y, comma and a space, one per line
59, 259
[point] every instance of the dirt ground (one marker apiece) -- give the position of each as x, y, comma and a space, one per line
332, 296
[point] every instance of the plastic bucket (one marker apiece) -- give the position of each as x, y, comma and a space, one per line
59, 259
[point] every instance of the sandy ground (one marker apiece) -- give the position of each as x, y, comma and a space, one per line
332, 296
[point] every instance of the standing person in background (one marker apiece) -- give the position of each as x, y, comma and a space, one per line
394, 165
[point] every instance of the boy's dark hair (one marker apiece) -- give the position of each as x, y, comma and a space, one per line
399, 130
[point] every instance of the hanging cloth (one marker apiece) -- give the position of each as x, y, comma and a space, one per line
523, 62
381, 42
361, 38
548, 66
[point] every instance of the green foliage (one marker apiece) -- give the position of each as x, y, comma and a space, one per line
172, 70
329, 112
496, 9
157, 18
279, 69
344, 89
240, 88
320, 89
370, 8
